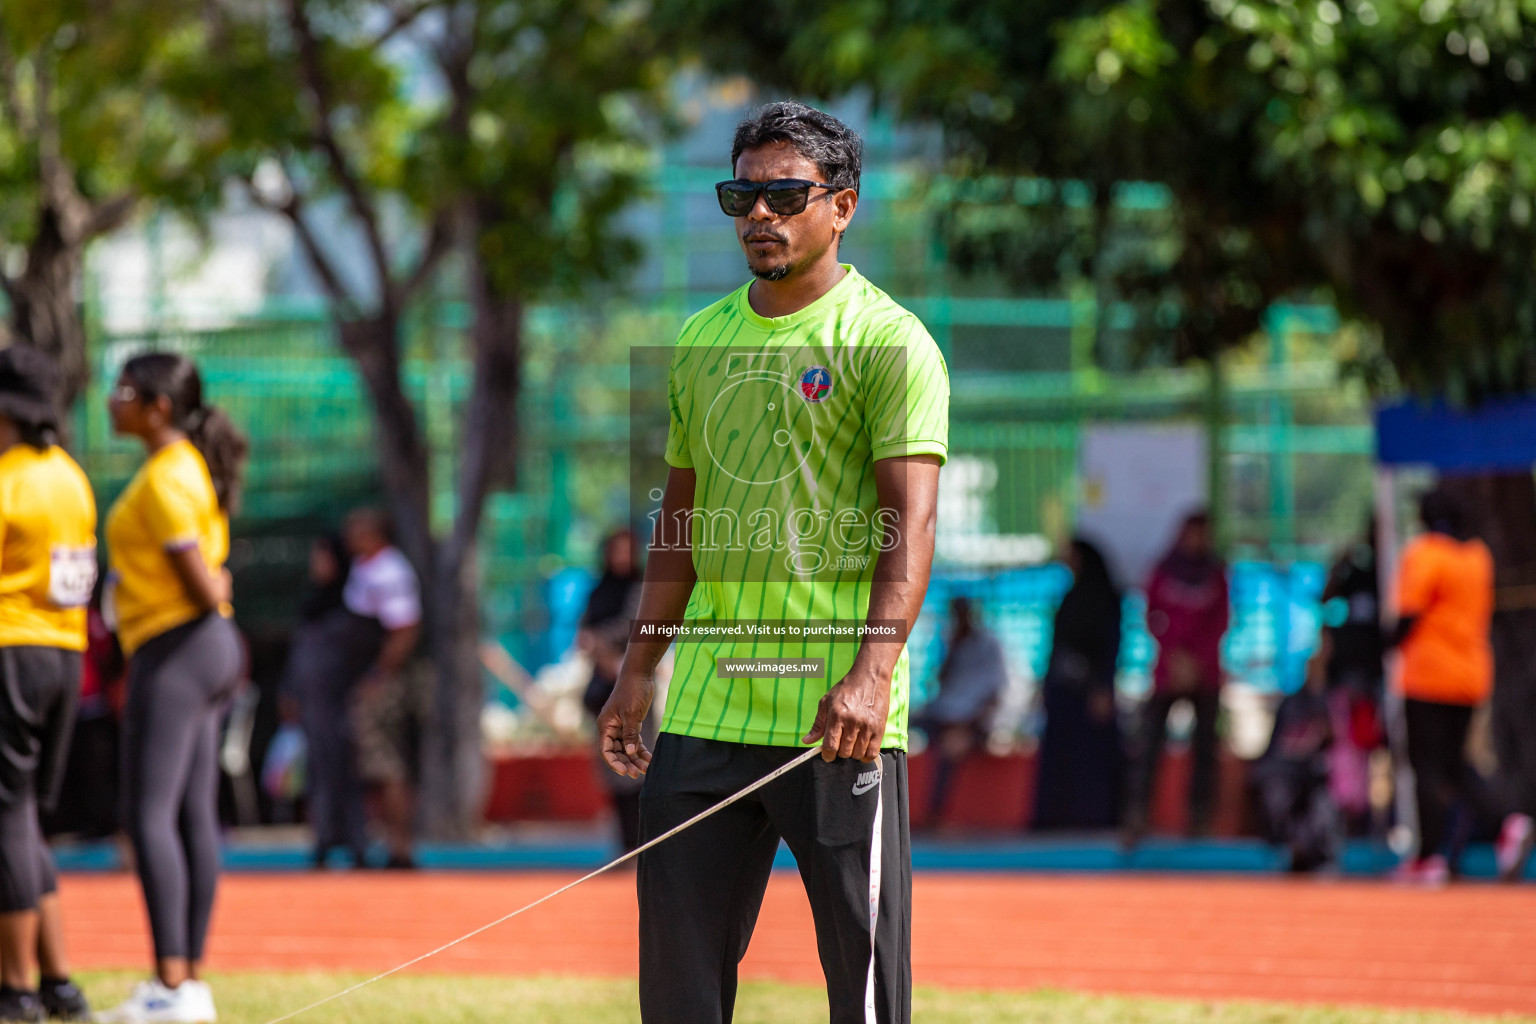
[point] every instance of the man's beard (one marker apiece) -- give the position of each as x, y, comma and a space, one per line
776, 273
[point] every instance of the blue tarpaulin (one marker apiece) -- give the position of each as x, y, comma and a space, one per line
1497, 436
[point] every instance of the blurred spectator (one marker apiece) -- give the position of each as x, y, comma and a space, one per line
240, 800
1187, 613
393, 699
1354, 667
972, 677
1292, 776
603, 637
329, 564
330, 653
1082, 760
1445, 609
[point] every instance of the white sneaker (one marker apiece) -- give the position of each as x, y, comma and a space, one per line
191, 1002
201, 997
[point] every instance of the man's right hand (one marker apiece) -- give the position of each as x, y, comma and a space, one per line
618, 725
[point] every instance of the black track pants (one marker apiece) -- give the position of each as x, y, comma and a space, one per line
700, 891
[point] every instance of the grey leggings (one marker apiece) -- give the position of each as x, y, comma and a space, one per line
177, 685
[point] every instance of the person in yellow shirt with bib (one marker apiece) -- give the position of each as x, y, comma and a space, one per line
47, 572
167, 540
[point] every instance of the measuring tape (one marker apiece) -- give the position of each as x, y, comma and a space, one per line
874, 889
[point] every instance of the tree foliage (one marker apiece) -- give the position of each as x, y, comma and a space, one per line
481, 148
486, 145
1382, 149
86, 131
1377, 152
1408, 126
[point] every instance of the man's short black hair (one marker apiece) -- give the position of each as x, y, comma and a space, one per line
815, 135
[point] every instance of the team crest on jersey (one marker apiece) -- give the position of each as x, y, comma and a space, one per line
815, 383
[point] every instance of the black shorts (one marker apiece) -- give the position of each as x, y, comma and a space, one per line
701, 889
39, 688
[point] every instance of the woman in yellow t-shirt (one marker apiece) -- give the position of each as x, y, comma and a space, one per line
167, 539
47, 571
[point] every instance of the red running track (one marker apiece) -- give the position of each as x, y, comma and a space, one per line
1469, 947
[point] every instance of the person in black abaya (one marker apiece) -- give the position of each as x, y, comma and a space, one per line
1082, 756
329, 563
316, 689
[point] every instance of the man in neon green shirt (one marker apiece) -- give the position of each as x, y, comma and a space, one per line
808, 422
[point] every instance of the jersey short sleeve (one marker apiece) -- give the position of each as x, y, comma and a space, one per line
907, 394
170, 508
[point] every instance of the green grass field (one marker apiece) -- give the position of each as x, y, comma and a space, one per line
418, 999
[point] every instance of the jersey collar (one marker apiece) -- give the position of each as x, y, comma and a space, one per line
835, 296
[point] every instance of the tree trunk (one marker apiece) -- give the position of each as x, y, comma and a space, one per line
1503, 511
453, 768
452, 789
45, 310
374, 344
450, 771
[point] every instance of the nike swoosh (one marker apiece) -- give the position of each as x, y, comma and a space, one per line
860, 788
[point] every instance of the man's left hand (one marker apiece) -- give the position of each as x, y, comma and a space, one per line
850, 720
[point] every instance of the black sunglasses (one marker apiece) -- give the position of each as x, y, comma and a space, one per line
785, 196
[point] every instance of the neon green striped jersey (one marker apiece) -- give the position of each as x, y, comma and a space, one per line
782, 421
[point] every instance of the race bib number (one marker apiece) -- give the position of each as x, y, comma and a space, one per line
71, 576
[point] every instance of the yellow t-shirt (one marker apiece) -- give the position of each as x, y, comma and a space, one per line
47, 549
169, 505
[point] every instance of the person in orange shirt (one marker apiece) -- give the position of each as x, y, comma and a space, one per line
1445, 608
